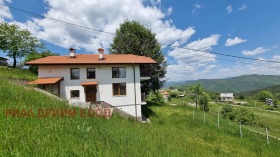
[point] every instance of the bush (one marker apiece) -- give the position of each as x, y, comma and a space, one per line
241, 115
270, 108
174, 94
204, 102
228, 112
156, 97
263, 95
241, 97
245, 116
276, 103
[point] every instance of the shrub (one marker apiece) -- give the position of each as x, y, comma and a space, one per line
270, 108
241, 97
228, 112
173, 94
241, 115
244, 116
204, 102
263, 95
156, 97
276, 103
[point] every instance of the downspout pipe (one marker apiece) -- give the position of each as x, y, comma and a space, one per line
134, 91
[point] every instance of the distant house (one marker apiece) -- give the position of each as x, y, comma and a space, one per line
165, 95
269, 101
226, 97
3, 61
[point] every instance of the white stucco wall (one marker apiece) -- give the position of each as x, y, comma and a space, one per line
104, 88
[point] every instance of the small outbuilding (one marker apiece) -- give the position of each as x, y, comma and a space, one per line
3, 61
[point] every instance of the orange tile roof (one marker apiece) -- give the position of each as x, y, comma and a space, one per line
164, 93
88, 83
93, 59
52, 80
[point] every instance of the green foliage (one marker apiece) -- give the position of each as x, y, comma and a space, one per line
174, 94
169, 98
204, 101
213, 95
14, 73
240, 115
172, 132
277, 95
263, 95
134, 38
17, 42
244, 116
156, 97
276, 102
228, 112
197, 94
270, 108
36, 55
241, 97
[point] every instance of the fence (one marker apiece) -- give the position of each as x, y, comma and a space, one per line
216, 120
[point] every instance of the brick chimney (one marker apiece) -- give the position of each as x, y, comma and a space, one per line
72, 52
101, 53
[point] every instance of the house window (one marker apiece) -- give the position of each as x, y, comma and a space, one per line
75, 73
119, 89
118, 72
90, 73
75, 93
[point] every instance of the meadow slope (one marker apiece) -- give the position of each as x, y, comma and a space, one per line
172, 132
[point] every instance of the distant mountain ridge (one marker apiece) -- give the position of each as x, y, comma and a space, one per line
233, 84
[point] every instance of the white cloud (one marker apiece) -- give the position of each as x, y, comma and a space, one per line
243, 7
5, 11
169, 10
190, 62
196, 7
234, 41
229, 9
155, 2
258, 50
104, 17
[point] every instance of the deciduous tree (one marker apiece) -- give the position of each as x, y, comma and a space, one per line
134, 38
17, 42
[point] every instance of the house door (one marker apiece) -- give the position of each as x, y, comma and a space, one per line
90, 94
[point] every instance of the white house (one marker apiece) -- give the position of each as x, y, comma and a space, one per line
226, 97
111, 78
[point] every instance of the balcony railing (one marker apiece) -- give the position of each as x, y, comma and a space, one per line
145, 71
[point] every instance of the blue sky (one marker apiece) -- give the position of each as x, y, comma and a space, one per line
242, 28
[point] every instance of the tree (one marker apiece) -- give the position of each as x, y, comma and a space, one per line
203, 101
264, 94
174, 94
156, 97
134, 38
17, 42
197, 92
36, 55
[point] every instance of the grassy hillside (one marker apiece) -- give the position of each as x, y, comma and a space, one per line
172, 132
235, 84
12, 73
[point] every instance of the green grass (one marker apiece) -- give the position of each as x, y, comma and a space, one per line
14, 73
172, 132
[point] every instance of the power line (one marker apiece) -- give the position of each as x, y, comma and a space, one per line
101, 31
236, 61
